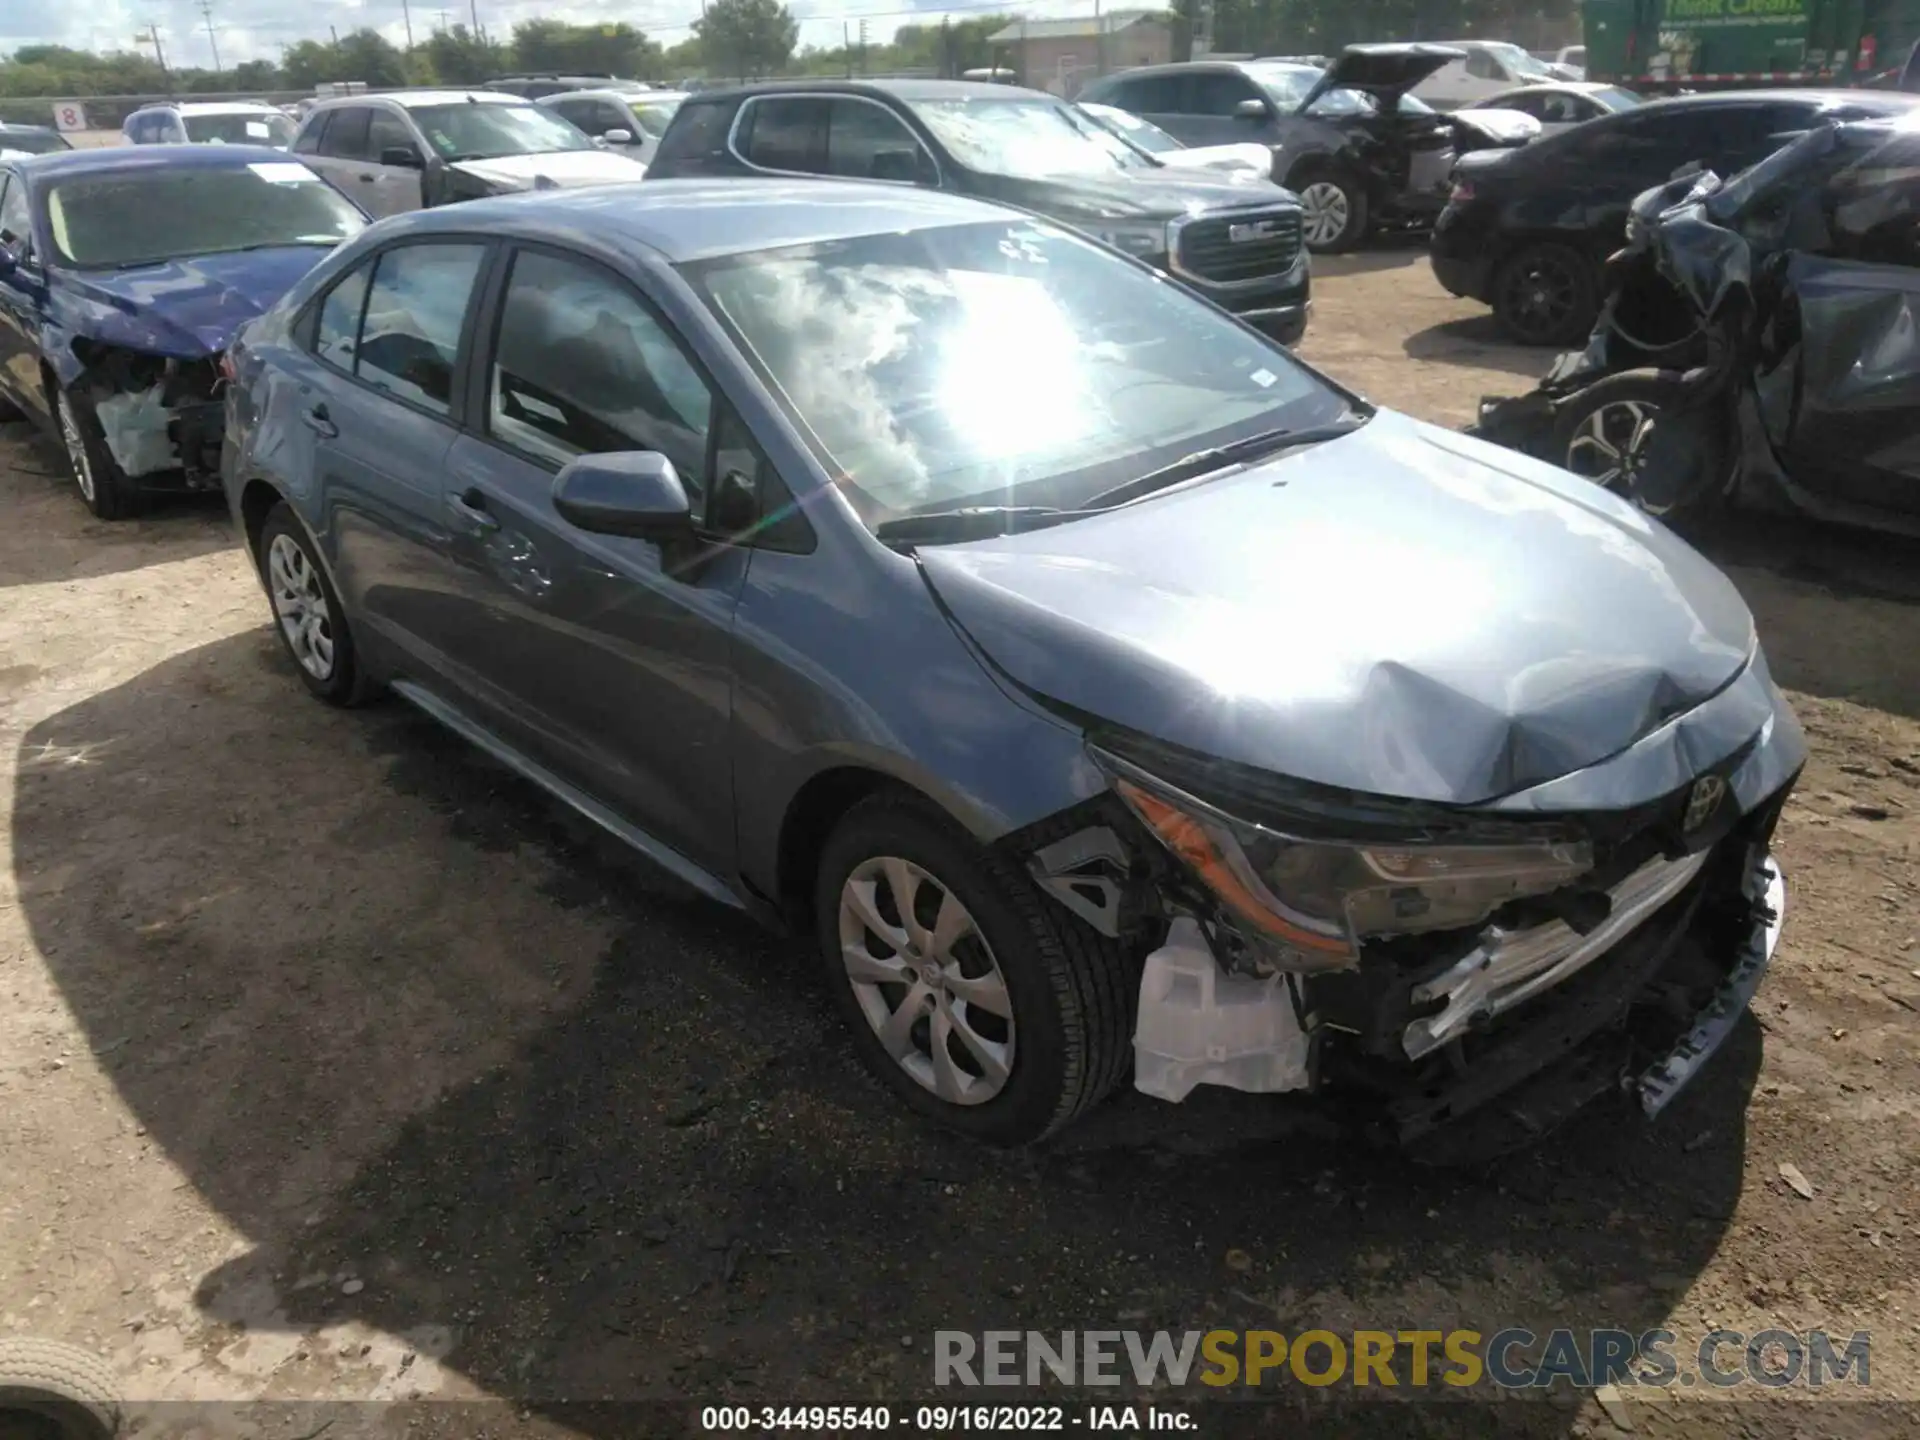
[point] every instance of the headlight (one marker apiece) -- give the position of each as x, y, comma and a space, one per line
1312, 901
1143, 240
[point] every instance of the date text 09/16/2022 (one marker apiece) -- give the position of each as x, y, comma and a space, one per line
944, 1419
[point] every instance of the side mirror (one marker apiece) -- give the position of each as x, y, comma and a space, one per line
1252, 110
401, 157
636, 493
618, 137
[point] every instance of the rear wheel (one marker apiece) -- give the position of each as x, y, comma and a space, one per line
1334, 212
307, 613
1546, 295
969, 994
1624, 433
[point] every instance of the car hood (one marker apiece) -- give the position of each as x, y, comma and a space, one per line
1160, 193
560, 169
1402, 612
1387, 71
1243, 161
185, 308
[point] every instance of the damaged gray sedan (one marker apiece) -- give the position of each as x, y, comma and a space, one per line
1106, 692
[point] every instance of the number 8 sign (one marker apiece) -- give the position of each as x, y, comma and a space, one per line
69, 115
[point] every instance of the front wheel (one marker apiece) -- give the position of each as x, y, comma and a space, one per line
1625, 433
1333, 213
109, 494
1547, 295
968, 993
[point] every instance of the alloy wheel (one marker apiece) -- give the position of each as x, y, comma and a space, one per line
1609, 447
1325, 213
301, 605
1540, 296
926, 980
76, 446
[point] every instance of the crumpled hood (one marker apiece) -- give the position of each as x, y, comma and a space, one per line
1246, 161
1134, 195
185, 308
565, 169
1502, 127
1402, 612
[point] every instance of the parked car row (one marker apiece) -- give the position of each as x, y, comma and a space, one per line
880, 518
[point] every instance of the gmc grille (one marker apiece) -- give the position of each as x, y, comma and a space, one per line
1268, 244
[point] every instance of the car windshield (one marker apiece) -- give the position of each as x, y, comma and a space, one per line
33, 142
1026, 139
1518, 61
653, 116
1288, 85
999, 363
1614, 98
143, 217
1132, 128
485, 130
251, 127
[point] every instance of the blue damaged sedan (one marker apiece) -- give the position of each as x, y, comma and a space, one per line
124, 274
1103, 692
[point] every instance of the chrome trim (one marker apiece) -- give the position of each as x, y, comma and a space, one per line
1766, 890
1201, 282
1510, 966
733, 135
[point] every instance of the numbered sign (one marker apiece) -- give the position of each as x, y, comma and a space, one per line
69, 115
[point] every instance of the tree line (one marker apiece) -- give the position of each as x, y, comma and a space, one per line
733, 39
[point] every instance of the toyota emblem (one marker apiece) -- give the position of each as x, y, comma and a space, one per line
1702, 801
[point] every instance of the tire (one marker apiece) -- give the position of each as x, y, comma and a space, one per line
109, 494
1072, 994
1322, 193
307, 614
1612, 434
68, 1391
1546, 294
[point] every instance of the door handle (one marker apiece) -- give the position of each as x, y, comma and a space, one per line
320, 422
471, 506
368, 179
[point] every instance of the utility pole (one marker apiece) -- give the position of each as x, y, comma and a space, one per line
334, 30
206, 13
863, 47
473, 9
407, 15
152, 37
846, 47
1099, 41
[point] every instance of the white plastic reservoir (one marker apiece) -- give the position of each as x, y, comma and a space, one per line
1199, 1026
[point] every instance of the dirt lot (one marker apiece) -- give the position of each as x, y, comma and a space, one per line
335, 1063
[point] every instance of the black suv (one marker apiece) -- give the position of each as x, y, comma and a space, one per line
1236, 241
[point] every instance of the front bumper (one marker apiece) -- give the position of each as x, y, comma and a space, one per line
1285, 323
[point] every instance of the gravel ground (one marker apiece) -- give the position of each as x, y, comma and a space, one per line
334, 1063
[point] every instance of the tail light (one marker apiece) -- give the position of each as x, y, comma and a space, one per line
1867, 48
1461, 193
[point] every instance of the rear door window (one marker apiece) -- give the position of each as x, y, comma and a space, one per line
16, 218
786, 132
307, 142
415, 310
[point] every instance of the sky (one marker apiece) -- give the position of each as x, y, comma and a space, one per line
257, 29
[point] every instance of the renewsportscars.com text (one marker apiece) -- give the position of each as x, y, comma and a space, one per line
1508, 1359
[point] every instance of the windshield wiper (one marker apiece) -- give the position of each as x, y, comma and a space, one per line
1219, 457
972, 522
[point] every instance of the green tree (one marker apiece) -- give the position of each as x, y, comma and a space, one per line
747, 38
584, 49
459, 57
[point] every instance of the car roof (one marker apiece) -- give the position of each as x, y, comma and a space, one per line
12, 127
906, 89
112, 159
226, 107
1886, 102
619, 96
695, 219
411, 98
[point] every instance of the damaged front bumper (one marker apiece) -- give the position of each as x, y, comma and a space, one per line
1459, 1045
162, 419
